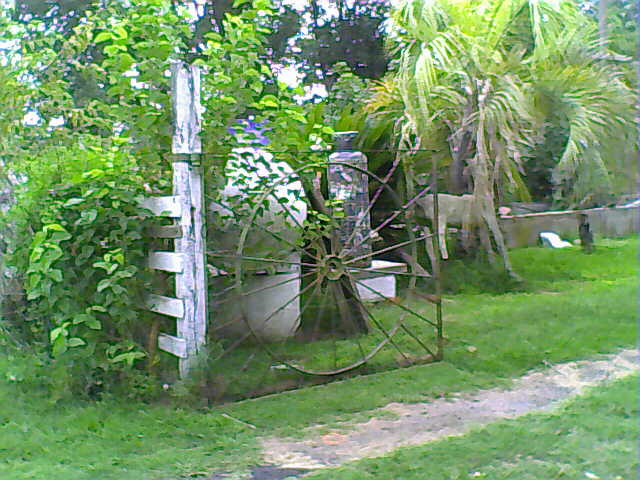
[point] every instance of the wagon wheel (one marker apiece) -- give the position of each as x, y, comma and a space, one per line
309, 291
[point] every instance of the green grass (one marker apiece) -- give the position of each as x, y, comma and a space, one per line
573, 306
544, 268
595, 434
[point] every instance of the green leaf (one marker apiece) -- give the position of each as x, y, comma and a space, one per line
94, 324
60, 237
125, 61
269, 101
102, 284
119, 257
85, 252
55, 274
57, 333
36, 254
72, 201
75, 342
54, 227
256, 86
59, 346
121, 33
111, 50
128, 357
103, 37
87, 217
80, 318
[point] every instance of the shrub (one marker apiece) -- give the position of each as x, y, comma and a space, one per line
80, 251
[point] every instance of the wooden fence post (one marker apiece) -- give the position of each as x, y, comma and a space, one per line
187, 260
191, 283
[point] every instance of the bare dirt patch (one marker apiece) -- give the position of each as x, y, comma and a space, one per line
425, 422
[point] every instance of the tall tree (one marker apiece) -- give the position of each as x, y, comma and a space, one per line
602, 20
315, 37
480, 81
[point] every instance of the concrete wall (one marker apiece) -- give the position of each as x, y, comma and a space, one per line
524, 230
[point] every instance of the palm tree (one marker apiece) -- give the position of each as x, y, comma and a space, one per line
481, 78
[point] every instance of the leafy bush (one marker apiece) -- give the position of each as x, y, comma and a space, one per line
82, 264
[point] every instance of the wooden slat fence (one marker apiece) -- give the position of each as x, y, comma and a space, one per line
185, 207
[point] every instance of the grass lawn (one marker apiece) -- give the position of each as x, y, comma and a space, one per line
592, 437
573, 306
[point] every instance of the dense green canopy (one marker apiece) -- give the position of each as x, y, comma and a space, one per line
487, 82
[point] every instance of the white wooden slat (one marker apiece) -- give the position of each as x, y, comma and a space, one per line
163, 206
173, 345
166, 261
165, 231
172, 307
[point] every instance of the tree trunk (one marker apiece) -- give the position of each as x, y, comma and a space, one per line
457, 183
602, 20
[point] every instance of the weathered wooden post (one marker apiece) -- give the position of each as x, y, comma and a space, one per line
584, 231
191, 284
187, 260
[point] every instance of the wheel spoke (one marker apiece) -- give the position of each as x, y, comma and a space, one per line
376, 195
264, 345
234, 256
318, 287
282, 239
286, 208
395, 215
320, 313
343, 311
381, 327
285, 305
348, 368
418, 341
389, 272
385, 250
399, 305
234, 345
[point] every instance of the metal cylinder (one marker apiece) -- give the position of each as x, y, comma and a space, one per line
349, 188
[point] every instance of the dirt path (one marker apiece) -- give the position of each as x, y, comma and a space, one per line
425, 422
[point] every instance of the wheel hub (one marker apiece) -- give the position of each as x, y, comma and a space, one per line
333, 268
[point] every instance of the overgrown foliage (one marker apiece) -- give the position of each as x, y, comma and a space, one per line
495, 90
313, 35
483, 83
79, 249
95, 138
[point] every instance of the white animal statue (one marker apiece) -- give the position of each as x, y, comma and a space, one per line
476, 217
452, 210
